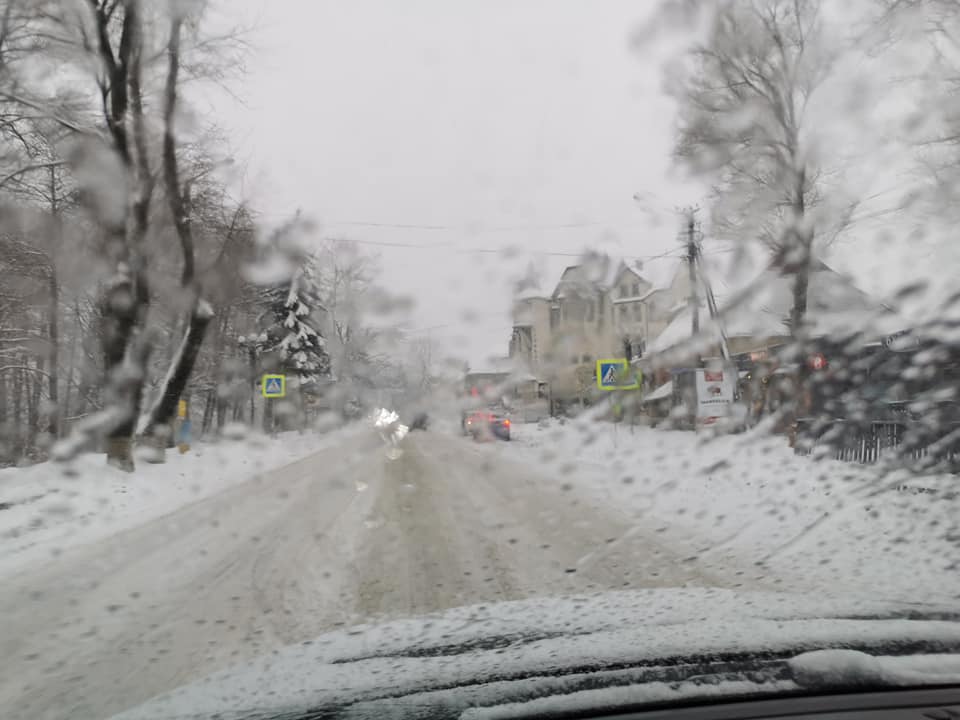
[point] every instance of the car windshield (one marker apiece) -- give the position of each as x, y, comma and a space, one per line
476, 357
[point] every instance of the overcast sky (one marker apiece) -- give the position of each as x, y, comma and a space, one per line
465, 140
494, 124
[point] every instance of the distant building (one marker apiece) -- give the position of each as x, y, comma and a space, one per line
597, 310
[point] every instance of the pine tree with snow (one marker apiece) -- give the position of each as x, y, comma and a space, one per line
290, 322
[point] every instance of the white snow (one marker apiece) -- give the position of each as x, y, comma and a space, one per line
835, 305
588, 701
54, 505
817, 668
546, 637
747, 503
204, 309
852, 668
274, 269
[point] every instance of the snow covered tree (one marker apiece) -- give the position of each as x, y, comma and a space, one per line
291, 341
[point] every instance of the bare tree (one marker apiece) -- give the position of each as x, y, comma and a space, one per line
930, 29
111, 149
89, 176
743, 99
178, 196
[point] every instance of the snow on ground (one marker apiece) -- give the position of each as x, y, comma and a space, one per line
748, 502
48, 506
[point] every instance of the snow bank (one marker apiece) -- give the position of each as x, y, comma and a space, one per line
46, 507
747, 506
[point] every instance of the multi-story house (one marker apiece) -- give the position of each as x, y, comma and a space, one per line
594, 312
642, 310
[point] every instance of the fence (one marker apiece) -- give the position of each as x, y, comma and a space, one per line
866, 443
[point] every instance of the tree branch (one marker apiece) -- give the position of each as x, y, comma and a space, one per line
29, 168
47, 114
175, 193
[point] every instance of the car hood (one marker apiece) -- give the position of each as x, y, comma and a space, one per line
536, 657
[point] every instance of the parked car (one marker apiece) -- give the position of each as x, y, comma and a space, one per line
481, 424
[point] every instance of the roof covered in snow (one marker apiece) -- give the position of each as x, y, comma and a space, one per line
602, 272
660, 271
594, 275
531, 294
834, 302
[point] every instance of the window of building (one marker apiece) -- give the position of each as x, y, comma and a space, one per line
637, 311
585, 358
554, 317
635, 289
623, 312
591, 310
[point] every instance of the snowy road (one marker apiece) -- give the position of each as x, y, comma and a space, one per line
345, 535
337, 538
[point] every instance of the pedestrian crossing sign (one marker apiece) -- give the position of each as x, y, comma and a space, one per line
274, 386
616, 374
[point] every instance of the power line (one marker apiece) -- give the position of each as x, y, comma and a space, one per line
397, 226
467, 228
422, 246
496, 251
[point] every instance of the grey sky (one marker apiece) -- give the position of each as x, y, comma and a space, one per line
498, 120
493, 124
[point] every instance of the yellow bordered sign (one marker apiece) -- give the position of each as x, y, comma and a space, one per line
274, 386
616, 374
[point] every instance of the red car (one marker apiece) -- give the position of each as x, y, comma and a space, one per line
481, 423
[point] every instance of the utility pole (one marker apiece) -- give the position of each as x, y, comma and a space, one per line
697, 272
692, 269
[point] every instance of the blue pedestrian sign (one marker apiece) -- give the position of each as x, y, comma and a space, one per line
274, 386
616, 374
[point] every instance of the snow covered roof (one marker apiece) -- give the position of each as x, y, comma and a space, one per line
624, 269
660, 271
602, 273
676, 332
595, 273
531, 294
664, 391
833, 302
493, 366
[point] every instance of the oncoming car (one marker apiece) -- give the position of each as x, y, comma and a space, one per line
482, 424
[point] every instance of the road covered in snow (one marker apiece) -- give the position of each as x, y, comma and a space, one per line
254, 552
747, 500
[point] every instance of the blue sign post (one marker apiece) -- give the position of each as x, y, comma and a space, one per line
183, 441
616, 374
274, 386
